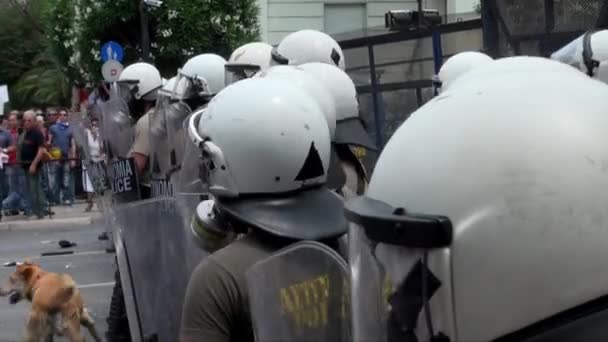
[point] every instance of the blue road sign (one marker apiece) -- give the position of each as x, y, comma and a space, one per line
111, 50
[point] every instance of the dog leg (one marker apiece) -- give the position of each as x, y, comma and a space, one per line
73, 331
87, 321
37, 327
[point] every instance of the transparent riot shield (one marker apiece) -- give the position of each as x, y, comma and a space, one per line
79, 131
391, 279
138, 237
300, 294
116, 128
172, 255
190, 191
93, 166
159, 150
176, 117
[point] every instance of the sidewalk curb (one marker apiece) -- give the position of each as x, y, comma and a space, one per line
50, 223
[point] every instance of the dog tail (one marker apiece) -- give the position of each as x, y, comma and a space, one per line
68, 289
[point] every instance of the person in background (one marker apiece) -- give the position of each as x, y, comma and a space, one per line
47, 181
52, 117
96, 155
32, 152
40, 122
60, 136
16, 199
6, 145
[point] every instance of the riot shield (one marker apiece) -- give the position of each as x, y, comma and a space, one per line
94, 166
116, 128
176, 272
190, 191
300, 294
166, 144
159, 150
141, 229
79, 131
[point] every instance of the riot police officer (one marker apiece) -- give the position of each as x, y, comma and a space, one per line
133, 100
139, 83
264, 150
485, 216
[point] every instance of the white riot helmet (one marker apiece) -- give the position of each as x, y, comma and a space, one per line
458, 65
141, 80
265, 150
247, 60
298, 77
588, 53
306, 46
203, 75
349, 127
500, 222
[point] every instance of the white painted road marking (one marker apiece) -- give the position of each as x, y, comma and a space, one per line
94, 285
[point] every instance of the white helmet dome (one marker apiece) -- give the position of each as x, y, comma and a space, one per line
460, 64
259, 133
247, 60
340, 86
143, 79
311, 85
515, 163
208, 70
307, 46
256, 53
512, 65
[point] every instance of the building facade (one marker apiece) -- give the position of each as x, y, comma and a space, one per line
281, 17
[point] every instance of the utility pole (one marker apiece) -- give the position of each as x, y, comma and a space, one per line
145, 34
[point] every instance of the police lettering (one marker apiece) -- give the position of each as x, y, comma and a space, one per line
162, 188
122, 169
307, 303
122, 177
122, 185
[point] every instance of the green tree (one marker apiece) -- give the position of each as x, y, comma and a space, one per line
26, 64
178, 30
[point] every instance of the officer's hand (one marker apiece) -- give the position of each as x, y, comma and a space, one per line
32, 170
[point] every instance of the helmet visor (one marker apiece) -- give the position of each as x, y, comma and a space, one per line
237, 72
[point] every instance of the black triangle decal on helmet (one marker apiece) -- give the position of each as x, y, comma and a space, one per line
335, 56
313, 166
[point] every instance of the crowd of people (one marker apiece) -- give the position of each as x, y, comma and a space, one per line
39, 160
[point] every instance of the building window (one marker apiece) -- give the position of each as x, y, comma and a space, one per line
341, 18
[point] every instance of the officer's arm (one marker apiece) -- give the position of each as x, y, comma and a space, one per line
140, 162
141, 147
210, 307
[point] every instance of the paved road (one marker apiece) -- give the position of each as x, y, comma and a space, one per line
90, 266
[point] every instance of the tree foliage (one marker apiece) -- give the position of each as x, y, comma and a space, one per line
178, 30
33, 75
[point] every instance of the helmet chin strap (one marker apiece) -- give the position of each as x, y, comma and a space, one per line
590, 63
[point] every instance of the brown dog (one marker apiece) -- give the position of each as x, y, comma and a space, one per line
57, 306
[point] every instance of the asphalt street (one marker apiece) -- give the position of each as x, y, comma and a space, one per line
90, 266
